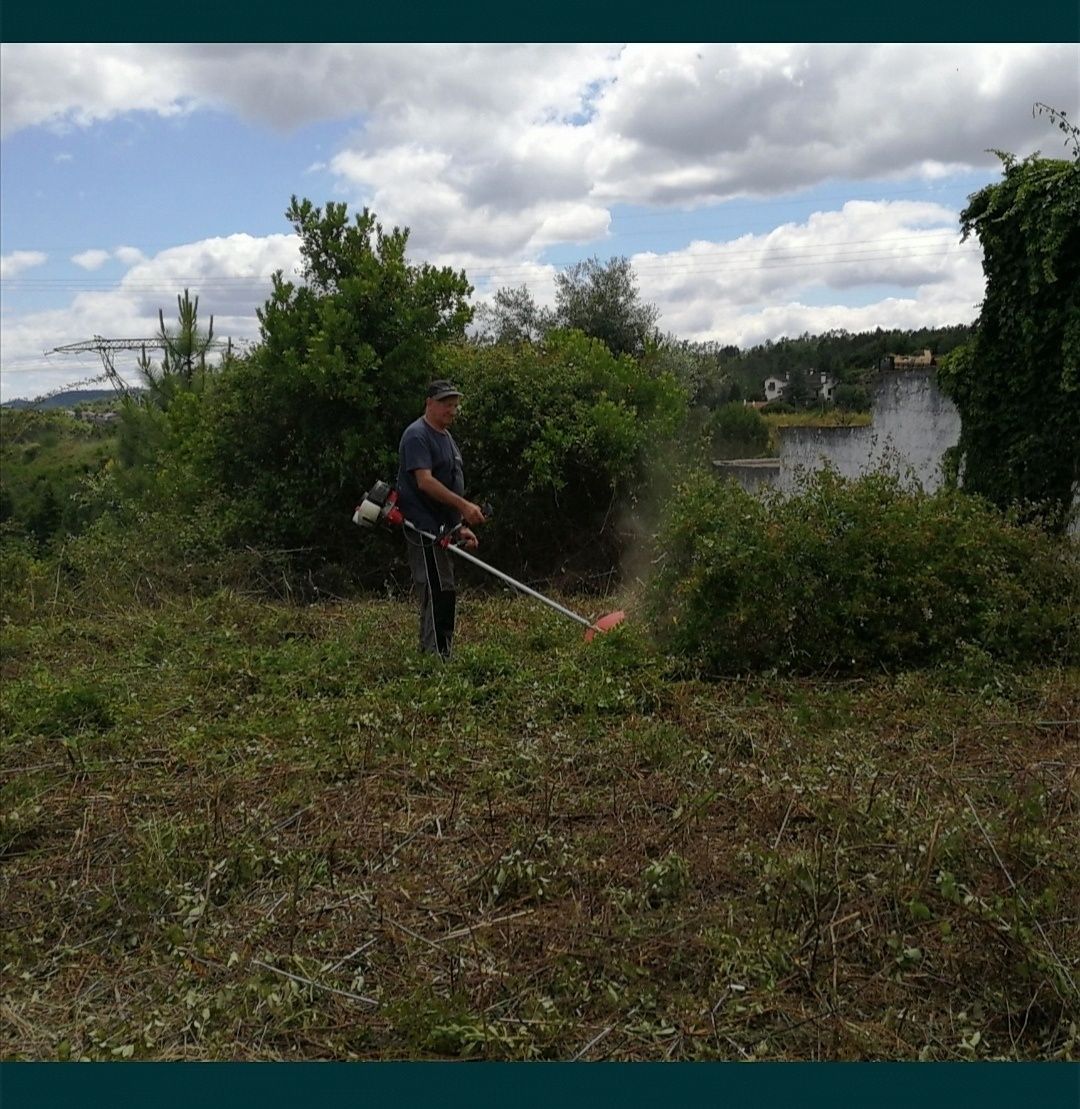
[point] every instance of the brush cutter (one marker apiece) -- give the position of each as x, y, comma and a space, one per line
379, 508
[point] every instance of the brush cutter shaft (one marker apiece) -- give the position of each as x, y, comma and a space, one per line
518, 585
506, 578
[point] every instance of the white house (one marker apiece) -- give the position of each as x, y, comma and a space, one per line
823, 387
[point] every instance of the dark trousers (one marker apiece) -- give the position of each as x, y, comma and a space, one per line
434, 589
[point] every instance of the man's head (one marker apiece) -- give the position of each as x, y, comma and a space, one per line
441, 404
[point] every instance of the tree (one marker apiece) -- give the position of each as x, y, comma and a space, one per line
799, 392
568, 443
696, 366
738, 431
313, 415
156, 419
185, 349
603, 301
514, 317
1017, 381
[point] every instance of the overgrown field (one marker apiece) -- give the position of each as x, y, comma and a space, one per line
241, 830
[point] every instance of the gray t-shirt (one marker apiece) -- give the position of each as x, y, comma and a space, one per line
424, 448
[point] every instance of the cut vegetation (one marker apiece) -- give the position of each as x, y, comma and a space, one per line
234, 829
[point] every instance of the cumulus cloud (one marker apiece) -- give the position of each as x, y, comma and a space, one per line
129, 255
755, 287
510, 125
691, 124
96, 258
493, 155
19, 260
91, 259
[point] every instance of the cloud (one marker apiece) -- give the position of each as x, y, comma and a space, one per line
19, 260
512, 126
755, 287
95, 259
692, 124
230, 275
91, 259
493, 155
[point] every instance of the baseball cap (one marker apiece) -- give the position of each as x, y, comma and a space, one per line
442, 390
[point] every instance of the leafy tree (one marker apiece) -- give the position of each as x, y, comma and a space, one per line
514, 317
696, 366
602, 300
1017, 382
851, 398
314, 414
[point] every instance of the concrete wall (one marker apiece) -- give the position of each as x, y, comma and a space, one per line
751, 473
913, 425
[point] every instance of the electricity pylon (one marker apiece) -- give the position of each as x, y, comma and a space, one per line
106, 348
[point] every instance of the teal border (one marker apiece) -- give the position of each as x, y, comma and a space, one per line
528, 1085
558, 21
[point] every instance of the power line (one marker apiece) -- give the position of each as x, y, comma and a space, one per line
715, 261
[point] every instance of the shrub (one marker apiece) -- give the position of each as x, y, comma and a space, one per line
738, 431
851, 398
563, 438
852, 575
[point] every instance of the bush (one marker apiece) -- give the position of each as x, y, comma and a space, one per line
738, 431
779, 408
851, 398
853, 575
564, 438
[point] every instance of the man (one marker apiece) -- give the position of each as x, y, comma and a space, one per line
431, 487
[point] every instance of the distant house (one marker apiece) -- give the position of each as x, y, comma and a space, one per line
822, 388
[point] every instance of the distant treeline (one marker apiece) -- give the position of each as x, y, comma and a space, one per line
72, 398
846, 355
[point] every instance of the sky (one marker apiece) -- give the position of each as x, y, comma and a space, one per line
759, 190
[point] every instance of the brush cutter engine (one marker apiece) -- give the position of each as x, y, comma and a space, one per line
379, 506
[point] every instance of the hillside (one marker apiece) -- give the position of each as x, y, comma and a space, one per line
69, 399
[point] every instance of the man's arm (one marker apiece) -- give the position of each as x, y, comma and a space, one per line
430, 486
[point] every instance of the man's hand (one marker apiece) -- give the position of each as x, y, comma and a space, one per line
431, 487
469, 540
